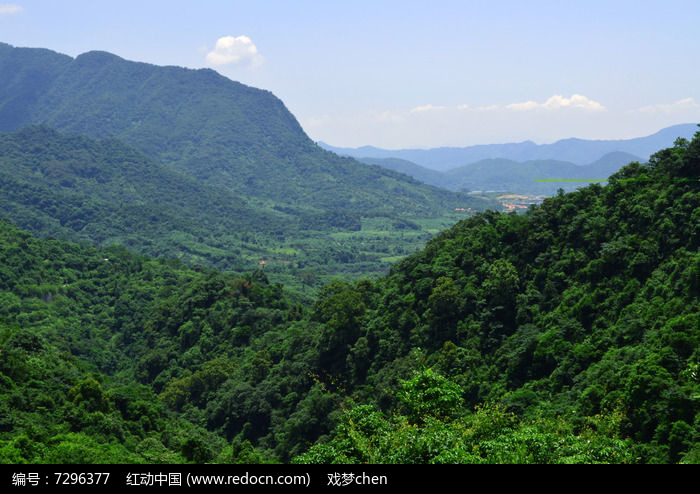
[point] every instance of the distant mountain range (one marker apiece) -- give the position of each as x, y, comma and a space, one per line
500, 174
577, 151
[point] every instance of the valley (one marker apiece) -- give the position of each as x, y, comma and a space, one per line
187, 278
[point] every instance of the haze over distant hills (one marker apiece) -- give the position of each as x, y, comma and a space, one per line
500, 174
577, 151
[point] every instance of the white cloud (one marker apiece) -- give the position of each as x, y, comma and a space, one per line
543, 121
527, 105
425, 108
678, 106
9, 9
558, 101
238, 50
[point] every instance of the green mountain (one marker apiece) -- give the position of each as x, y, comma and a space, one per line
206, 126
104, 192
79, 353
578, 151
241, 182
569, 334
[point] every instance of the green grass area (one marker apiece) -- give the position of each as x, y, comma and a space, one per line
391, 259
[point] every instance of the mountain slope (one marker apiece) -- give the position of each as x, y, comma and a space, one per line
580, 316
425, 175
578, 151
26, 76
303, 211
105, 192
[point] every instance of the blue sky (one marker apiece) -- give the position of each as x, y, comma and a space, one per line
402, 74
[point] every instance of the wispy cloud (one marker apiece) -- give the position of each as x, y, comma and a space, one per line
557, 102
238, 50
426, 108
9, 9
679, 106
487, 108
432, 125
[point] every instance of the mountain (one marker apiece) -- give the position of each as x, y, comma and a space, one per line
578, 151
204, 125
105, 192
607, 165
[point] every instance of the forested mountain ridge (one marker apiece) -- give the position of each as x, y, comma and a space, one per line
205, 125
68, 317
586, 306
568, 334
106, 192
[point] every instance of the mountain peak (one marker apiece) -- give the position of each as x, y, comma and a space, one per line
97, 57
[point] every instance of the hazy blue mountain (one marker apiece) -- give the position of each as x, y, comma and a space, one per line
512, 176
578, 151
606, 165
509, 175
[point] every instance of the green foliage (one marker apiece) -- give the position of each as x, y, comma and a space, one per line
583, 312
446, 434
429, 394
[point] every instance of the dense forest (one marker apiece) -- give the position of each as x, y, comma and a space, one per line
569, 334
